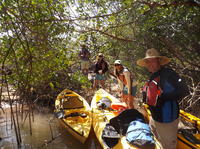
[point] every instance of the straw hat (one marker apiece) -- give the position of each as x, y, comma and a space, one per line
153, 53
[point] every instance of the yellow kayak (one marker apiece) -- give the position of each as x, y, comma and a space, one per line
101, 117
74, 113
190, 139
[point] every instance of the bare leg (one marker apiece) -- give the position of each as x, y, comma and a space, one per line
130, 102
128, 99
102, 82
123, 97
96, 82
85, 72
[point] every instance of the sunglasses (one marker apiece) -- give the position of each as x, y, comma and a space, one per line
100, 56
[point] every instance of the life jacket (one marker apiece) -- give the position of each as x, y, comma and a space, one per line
166, 85
122, 78
151, 91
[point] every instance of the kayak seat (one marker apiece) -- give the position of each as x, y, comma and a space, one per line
72, 102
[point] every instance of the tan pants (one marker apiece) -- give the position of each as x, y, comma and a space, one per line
165, 133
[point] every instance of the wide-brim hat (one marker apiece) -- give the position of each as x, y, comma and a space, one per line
153, 53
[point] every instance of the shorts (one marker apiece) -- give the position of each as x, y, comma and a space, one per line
133, 90
100, 77
85, 64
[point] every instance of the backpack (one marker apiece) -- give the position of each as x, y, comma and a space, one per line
122, 78
139, 134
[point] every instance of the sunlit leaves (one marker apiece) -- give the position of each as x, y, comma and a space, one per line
44, 37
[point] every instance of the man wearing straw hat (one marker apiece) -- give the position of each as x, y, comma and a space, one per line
164, 108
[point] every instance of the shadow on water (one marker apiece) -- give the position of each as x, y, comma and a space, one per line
46, 134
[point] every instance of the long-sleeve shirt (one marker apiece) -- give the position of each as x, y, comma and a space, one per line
167, 108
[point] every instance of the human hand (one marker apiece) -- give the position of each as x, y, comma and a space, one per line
100, 71
160, 91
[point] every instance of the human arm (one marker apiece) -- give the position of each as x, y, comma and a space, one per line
104, 66
128, 80
171, 84
121, 85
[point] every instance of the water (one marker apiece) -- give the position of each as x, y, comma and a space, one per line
46, 134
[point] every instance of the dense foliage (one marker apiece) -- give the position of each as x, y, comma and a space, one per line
39, 40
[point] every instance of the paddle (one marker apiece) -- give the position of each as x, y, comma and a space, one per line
61, 114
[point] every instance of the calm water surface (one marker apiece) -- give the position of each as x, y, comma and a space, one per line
46, 134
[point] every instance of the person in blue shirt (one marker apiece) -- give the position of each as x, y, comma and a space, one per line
164, 108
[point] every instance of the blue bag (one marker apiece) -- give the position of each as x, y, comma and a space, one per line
139, 135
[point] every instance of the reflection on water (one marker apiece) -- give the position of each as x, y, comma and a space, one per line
46, 134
